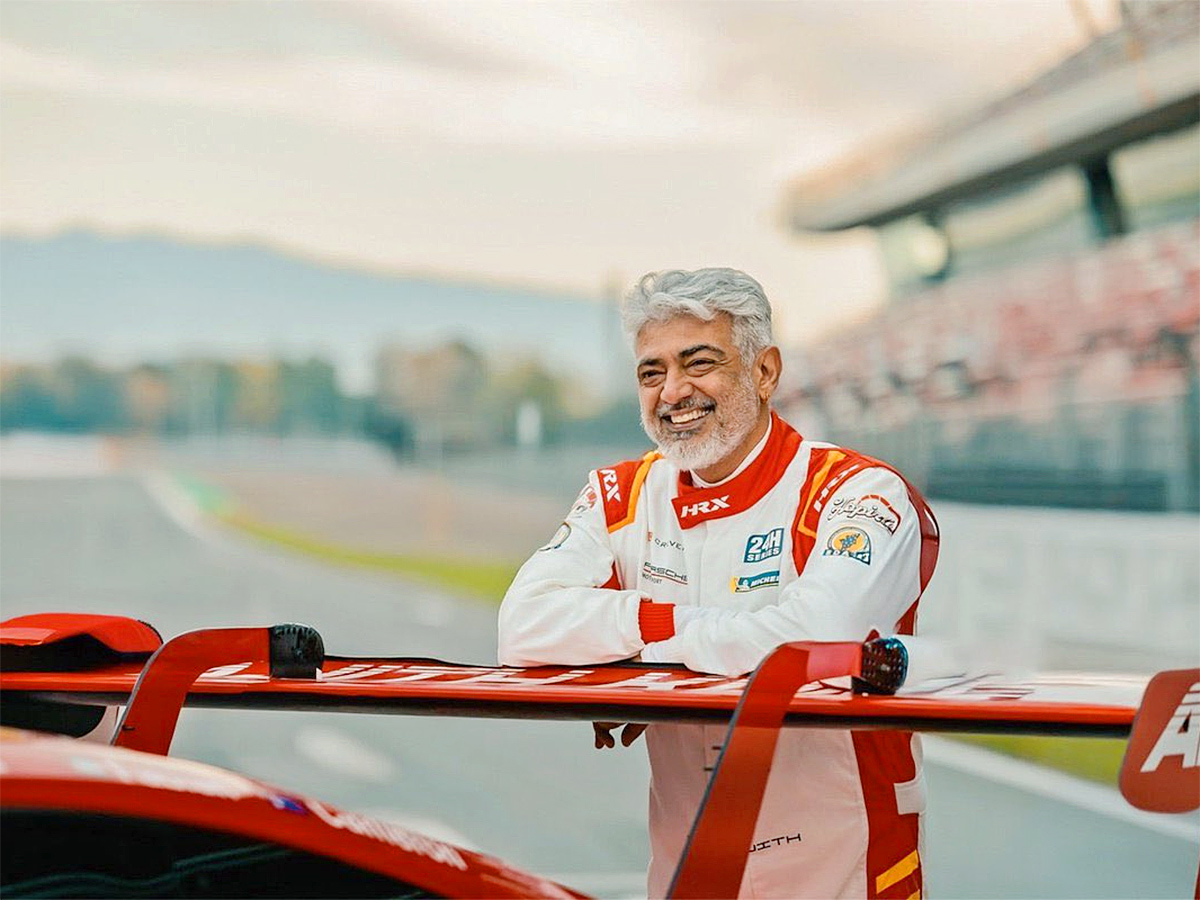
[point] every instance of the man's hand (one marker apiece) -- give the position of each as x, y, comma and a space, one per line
604, 732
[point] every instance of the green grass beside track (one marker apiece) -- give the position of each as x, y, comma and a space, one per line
1095, 759
482, 579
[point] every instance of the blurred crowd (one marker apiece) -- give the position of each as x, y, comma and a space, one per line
1077, 363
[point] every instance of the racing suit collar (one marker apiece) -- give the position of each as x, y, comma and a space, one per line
695, 503
742, 466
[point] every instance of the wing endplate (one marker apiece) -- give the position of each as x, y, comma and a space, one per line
1161, 769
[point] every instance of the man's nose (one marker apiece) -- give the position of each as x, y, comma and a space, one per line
676, 387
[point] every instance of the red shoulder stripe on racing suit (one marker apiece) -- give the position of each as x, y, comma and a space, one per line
620, 486
828, 469
808, 513
884, 759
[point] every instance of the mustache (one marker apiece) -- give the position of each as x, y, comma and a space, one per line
666, 409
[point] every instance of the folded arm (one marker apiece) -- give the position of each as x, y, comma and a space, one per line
565, 607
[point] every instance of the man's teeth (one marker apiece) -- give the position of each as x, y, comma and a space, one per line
690, 415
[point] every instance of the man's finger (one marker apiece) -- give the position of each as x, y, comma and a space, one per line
631, 733
603, 732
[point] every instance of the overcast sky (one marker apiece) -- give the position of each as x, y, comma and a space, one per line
562, 144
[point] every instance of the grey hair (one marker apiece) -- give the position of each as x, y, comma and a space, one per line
704, 293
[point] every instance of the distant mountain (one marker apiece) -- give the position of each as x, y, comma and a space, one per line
154, 299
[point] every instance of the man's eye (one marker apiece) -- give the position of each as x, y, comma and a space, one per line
650, 377
700, 365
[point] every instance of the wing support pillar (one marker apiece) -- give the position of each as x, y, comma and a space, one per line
290, 651
714, 857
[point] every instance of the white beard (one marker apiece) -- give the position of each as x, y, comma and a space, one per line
733, 420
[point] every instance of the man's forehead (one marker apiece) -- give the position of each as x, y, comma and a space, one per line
683, 333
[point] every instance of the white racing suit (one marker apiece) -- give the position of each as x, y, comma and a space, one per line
807, 542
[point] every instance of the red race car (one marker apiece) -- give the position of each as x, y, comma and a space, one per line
81, 819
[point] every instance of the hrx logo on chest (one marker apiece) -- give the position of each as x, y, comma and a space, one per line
703, 507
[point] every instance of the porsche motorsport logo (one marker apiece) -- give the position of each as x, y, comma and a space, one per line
849, 541
658, 574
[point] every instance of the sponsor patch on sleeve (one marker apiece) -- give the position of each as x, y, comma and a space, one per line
560, 538
586, 500
849, 541
868, 508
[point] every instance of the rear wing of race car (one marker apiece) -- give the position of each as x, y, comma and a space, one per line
799, 684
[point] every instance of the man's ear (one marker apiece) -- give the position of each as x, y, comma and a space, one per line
767, 369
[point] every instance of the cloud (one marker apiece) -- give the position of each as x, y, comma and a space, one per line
530, 74
390, 99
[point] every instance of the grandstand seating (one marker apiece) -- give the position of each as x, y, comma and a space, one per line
1092, 358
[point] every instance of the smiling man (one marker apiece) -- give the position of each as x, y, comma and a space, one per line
735, 536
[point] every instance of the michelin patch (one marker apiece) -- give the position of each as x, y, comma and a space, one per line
754, 582
849, 541
560, 538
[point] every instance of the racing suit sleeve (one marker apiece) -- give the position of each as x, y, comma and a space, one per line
862, 574
561, 608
